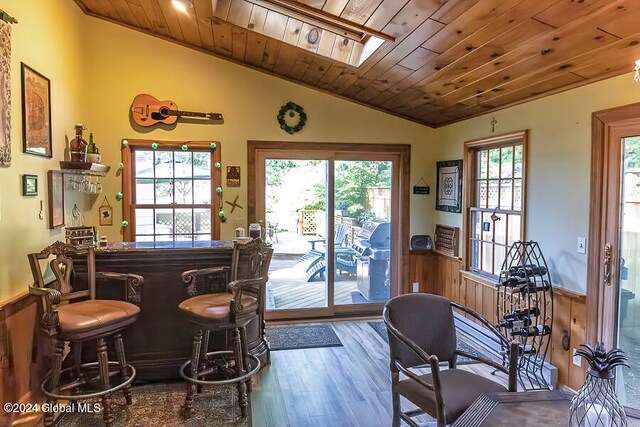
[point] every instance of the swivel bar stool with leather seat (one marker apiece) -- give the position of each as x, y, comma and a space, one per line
65, 319
230, 312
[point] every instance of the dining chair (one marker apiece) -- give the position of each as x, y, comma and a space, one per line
422, 332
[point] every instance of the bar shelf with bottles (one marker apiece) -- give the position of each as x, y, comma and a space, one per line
524, 310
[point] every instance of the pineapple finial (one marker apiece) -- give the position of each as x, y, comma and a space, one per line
602, 362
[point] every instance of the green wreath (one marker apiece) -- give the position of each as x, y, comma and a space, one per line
291, 109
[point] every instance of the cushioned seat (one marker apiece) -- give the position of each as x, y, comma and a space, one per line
459, 390
96, 316
216, 307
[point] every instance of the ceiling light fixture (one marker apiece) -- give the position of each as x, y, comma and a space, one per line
323, 20
636, 76
182, 5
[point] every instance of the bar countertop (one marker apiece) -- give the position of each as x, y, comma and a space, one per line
149, 246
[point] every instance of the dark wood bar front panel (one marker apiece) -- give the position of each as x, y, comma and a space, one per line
160, 341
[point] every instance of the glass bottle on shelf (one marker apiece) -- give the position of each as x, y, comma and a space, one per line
78, 146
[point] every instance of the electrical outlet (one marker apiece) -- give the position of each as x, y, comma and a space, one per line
416, 287
577, 360
582, 245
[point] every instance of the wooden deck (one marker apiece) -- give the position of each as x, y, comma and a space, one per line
288, 287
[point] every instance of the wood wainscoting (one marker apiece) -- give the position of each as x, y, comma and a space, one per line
18, 376
441, 275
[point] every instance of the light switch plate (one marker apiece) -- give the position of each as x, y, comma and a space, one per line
416, 287
577, 360
582, 245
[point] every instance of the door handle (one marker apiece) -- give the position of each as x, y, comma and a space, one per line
607, 264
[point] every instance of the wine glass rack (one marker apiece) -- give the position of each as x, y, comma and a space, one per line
524, 310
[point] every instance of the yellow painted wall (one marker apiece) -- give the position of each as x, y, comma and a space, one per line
96, 69
558, 166
49, 39
123, 63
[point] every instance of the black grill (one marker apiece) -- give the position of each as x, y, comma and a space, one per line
373, 245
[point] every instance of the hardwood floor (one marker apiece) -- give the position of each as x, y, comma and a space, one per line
333, 386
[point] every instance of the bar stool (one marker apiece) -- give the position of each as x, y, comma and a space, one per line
231, 312
66, 320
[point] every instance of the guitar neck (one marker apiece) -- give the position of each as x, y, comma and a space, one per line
180, 113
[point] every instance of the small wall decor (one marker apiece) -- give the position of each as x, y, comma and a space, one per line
29, 185
421, 189
106, 213
449, 186
55, 187
233, 176
36, 112
5, 93
234, 204
287, 115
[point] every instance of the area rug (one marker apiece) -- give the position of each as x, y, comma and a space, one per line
302, 336
463, 345
158, 404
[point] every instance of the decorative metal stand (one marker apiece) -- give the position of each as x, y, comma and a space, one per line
524, 310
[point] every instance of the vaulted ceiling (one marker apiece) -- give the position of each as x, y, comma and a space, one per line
450, 59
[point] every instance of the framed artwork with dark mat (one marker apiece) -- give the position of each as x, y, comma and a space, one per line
449, 186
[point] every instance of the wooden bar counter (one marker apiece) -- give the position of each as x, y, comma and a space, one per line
160, 341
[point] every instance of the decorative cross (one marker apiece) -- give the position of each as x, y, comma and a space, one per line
493, 124
234, 204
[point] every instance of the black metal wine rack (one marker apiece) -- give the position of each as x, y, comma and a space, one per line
524, 310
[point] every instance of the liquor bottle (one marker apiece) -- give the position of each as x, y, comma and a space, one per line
78, 146
521, 313
533, 331
514, 282
528, 270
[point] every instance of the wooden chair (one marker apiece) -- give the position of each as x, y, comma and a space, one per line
422, 331
75, 316
232, 312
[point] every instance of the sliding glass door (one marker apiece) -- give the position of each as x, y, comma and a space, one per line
362, 232
330, 216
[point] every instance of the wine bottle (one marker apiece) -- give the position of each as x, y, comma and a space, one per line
522, 313
532, 287
528, 270
515, 323
532, 331
513, 282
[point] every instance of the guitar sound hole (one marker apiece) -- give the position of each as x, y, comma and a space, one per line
164, 111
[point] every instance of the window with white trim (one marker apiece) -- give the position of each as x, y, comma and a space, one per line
496, 203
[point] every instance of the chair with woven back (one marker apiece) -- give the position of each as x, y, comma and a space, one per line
76, 316
422, 332
231, 312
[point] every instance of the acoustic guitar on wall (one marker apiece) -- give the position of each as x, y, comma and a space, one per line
147, 111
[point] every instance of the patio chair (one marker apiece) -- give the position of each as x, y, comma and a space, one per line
345, 256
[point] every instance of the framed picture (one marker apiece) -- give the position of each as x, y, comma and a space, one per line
55, 193
233, 176
36, 113
106, 213
29, 185
449, 186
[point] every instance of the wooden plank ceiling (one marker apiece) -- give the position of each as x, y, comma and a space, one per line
451, 59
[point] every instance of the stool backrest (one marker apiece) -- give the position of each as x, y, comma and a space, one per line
250, 260
60, 260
